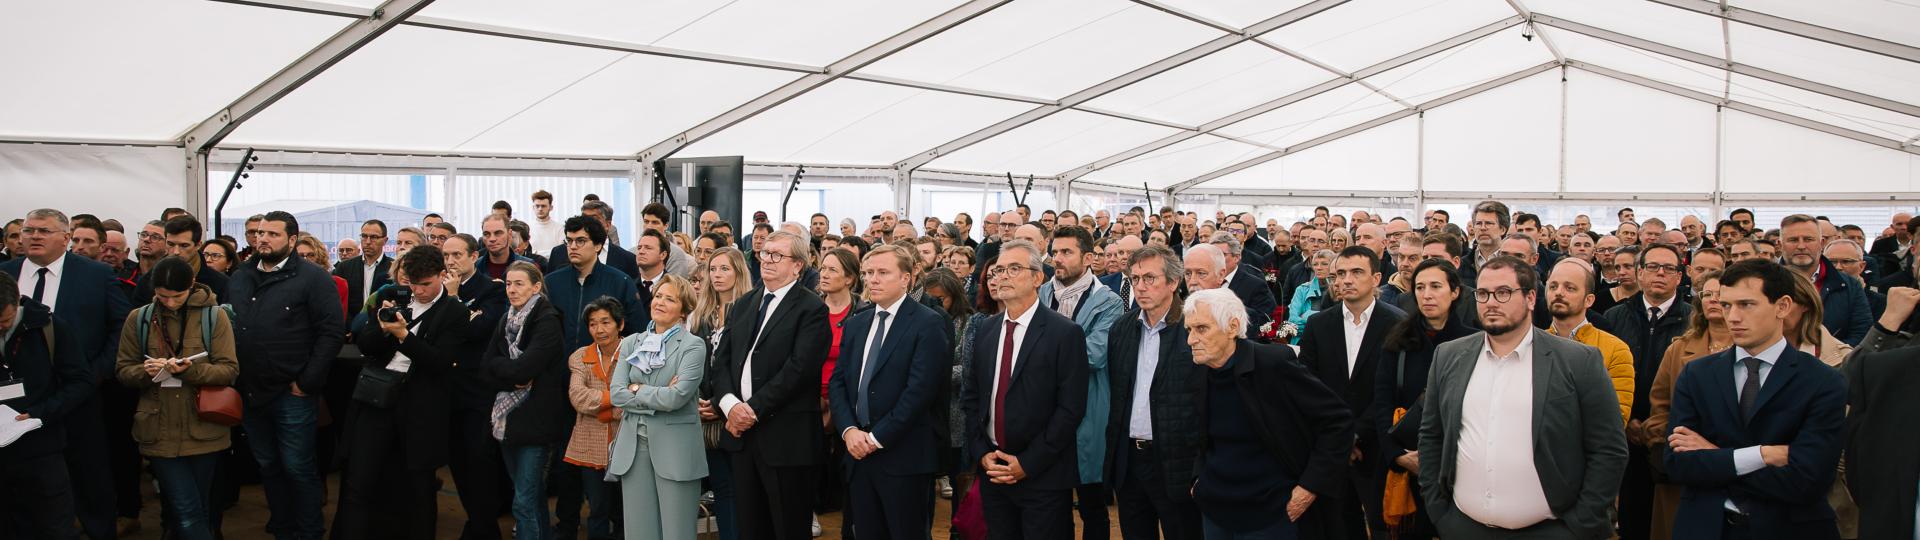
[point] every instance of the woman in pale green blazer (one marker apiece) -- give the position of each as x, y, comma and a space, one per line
659, 455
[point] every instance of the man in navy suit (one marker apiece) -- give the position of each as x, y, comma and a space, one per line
88, 305
882, 393
1756, 429
1024, 402
367, 273
1122, 250
1341, 346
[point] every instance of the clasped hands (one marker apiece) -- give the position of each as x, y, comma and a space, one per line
740, 418
1003, 468
1684, 439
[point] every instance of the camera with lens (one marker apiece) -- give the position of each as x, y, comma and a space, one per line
402, 309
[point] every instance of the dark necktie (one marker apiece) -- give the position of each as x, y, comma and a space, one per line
761, 319
866, 366
1001, 385
40, 286
1750, 391
1653, 319
1126, 292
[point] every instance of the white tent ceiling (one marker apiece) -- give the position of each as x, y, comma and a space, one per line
1202, 96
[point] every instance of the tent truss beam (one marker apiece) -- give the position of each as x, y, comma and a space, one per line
1735, 67
1142, 73
806, 83
1797, 28
1210, 127
1464, 93
1703, 97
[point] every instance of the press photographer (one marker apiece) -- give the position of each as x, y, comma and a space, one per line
397, 428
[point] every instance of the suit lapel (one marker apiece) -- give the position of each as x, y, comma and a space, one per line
1782, 374
1545, 362
781, 311
887, 343
1722, 386
1370, 341
1027, 345
856, 357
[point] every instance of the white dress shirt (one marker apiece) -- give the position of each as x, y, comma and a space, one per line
1747, 460
746, 367
1495, 482
1020, 325
30, 277
1140, 418
1664, 307
1356, 327
400, 362
366, 275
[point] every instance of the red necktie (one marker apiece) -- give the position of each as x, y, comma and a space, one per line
1002, 385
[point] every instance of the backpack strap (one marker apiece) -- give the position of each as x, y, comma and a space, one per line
47, 332
1400, 377
146, 321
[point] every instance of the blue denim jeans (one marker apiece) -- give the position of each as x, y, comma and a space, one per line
527, 467
603, 502
720, 480
186, 484
283, 433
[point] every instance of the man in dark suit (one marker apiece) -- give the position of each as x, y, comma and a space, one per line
1648, 322
882, 393
1121, 249
1023, 403
767, 374
474, 456
394, 448
46, 381
368, 273
1739, 414
87, 304
1881, 471
1154, 434
1341, 346
1246, 281
1520, 433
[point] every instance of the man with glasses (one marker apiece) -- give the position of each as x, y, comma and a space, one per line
1521, 437
368, 272
90, 310
1847, 257
1122, 249
610, 254
348, 249
766, 370
1021, 428
1490, 223
151, 247
439, 232
1843, 299
1648, 322
1153, 424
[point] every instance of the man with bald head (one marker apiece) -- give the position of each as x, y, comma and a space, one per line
1258, 252
1122, 250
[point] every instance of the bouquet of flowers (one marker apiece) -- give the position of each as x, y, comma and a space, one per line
1277, 329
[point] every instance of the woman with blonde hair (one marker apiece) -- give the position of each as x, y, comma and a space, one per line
1707, 333
726, 281
658, 456
310, 248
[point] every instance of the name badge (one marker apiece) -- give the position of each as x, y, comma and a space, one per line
12, 389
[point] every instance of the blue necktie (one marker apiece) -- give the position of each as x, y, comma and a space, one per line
866, 367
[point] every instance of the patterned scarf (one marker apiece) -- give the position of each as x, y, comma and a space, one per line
505, 402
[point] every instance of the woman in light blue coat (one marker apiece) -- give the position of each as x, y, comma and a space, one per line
659, 456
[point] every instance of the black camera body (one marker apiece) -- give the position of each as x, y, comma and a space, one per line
402, 310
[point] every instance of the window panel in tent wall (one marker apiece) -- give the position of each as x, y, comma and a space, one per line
1504, 139
122, 69
1873, 219
1624, 138
469, 198
1764, 156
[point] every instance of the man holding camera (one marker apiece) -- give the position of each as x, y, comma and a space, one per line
398, 428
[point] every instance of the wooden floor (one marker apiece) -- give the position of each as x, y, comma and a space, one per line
248, 519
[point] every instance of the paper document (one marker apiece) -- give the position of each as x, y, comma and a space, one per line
10, 429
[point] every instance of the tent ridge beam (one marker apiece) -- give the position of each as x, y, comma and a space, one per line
845, 66
1369, 124
209, 132
1270, 106
1736, 67
1139, 74
1191, 17
1778, 116
1797, 28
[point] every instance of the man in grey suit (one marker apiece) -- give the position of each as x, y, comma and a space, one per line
1485, 476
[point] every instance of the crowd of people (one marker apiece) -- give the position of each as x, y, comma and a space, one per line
1214, 376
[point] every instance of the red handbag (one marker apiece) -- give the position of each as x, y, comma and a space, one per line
218, 404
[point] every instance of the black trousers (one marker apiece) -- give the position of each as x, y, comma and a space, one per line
1092, 506
1361, 504
382, 497
881, 505
1019, 512
1636, 496
479, 475
89, 469
123, 455
772, 502
37, 500
1147, 511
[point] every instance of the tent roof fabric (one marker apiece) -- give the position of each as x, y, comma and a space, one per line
1563, 96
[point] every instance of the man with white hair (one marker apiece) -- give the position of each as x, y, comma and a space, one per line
1207, 269
1244, 280
1277, 439
1847, 257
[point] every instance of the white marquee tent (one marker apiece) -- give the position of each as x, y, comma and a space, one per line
1403, 103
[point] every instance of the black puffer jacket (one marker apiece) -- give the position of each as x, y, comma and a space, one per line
545, 417
1174, 395
288, 327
